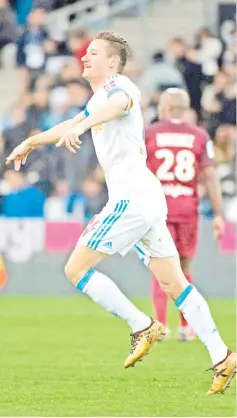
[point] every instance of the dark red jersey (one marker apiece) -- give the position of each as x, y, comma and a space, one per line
176, 153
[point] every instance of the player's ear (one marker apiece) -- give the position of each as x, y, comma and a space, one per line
114, 61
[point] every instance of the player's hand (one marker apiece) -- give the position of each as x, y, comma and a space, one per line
19, 154
218, 227
71, 141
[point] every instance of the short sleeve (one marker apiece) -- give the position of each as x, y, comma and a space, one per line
120, 83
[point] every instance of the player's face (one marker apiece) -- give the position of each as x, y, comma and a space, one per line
97, 63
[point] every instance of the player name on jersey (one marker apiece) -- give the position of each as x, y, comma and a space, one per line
176, 140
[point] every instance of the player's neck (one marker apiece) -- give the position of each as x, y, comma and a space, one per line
100, 82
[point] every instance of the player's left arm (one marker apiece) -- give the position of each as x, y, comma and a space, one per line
116, 104
213, 188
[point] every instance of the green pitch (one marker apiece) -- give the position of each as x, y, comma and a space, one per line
64, 357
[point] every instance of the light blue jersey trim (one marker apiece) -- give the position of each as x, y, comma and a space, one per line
86, 113
107, 224
84, 280
183, 295
115, 90
139, 249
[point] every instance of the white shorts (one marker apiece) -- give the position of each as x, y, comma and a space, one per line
131, 224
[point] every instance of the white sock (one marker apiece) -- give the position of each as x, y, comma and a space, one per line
102, 290
196, 312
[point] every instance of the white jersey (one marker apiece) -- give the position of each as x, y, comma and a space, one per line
120, 143
135, 214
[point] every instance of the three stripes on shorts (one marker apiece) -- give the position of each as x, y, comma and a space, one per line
107, 224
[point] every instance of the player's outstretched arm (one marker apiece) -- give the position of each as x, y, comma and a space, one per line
214, 191
20, 153
111, 108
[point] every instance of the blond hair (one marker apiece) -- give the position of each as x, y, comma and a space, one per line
117, 46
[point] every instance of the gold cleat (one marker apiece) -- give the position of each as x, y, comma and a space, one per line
142, 342
224, 372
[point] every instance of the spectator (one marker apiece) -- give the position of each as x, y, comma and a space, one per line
45, 165
161, 75
230, 53
30, 54
23, 200
43, 82
58, 105
16, 128
132, 70
78, 95
56, 206
224, 144
56, 55
208, 97
190, 116
92, 197
38, 107
209, 49
71, 71
186, 60
8, 29
219, 102
78, 43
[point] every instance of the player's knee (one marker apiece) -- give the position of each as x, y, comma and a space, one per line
170, 275
72, 273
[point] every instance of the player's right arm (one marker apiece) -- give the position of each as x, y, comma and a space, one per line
213, 186
20, 153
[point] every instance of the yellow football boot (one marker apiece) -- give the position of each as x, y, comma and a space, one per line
223, 373
142, 342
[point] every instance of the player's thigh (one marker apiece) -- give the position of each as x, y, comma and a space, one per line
187, 237
172, 227
164, 259
116, 229
157, 242
186, 263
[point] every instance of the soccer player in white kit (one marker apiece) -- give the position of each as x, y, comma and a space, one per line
135, 215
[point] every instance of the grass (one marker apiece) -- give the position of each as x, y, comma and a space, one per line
64, 357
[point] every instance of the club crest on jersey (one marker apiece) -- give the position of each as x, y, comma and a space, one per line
109, 86
93, 224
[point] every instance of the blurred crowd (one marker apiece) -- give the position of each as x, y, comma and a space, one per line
59, 186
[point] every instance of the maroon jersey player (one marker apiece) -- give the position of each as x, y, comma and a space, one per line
178, 152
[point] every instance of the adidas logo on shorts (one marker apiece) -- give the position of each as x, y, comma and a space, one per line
108, 244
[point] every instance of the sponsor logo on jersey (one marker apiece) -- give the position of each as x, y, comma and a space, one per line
97, 128
111, 85
176, 190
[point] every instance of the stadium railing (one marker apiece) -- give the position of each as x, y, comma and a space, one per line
88, 13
